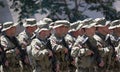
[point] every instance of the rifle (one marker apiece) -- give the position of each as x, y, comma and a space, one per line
68, 56
48, 46
113, 47
2, 56
93, 48
22, 54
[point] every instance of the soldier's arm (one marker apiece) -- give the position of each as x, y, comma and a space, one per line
75, 48
3, 46
37, 52
22, 40
69, 41
95, 50
56, 47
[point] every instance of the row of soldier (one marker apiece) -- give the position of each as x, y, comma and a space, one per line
91, 45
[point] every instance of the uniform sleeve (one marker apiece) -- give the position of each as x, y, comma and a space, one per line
37, 52
22, 40
4, 42
75, 50
76, 47
56, 47
69, 41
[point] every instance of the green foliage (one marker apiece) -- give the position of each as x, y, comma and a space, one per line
26, 8
57, 8
106, 8
2, 4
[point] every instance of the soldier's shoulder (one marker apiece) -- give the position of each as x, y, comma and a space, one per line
35, 40
96, 37
2, 37
80, 39
52, 37
68, 37
4, 40
22, 33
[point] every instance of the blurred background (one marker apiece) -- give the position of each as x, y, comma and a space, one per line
72, 10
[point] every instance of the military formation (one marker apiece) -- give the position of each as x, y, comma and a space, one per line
90, 45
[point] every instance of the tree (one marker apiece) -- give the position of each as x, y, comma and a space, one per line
71, 10
105, 6
1, 4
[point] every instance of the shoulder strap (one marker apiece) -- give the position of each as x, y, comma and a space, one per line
13, 40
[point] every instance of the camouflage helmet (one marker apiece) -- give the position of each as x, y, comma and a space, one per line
30, 22
88, 23
114, 24
101, 22
73, 26
61, 23
47, 20
76, 26
8, 25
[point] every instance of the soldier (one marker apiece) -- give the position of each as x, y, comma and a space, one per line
12, 48
45, 20
73, 33
25, 39
115, 39
3, 60
91, 42
85, 49
103, 41
60, 46
77, 45
41, 51
70, 38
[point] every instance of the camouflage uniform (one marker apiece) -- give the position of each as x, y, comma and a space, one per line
83, 62
84, 44
59, 53
40, 52
115, 40
102, 42
59, 45
70, 39
9, 48
104, 50
25, 40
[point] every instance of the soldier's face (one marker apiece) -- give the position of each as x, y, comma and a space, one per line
30, 29
81, 31
44, 34
117, 31
78, 32
62, 30
11, 31
90, 31
104, 30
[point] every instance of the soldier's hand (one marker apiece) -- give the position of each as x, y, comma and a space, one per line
6, 63
26, 60
57, 68
116, 58
89, 52
50, 53
101, 64
0, 50
66, 50
17, 51
24, 46
73, 62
